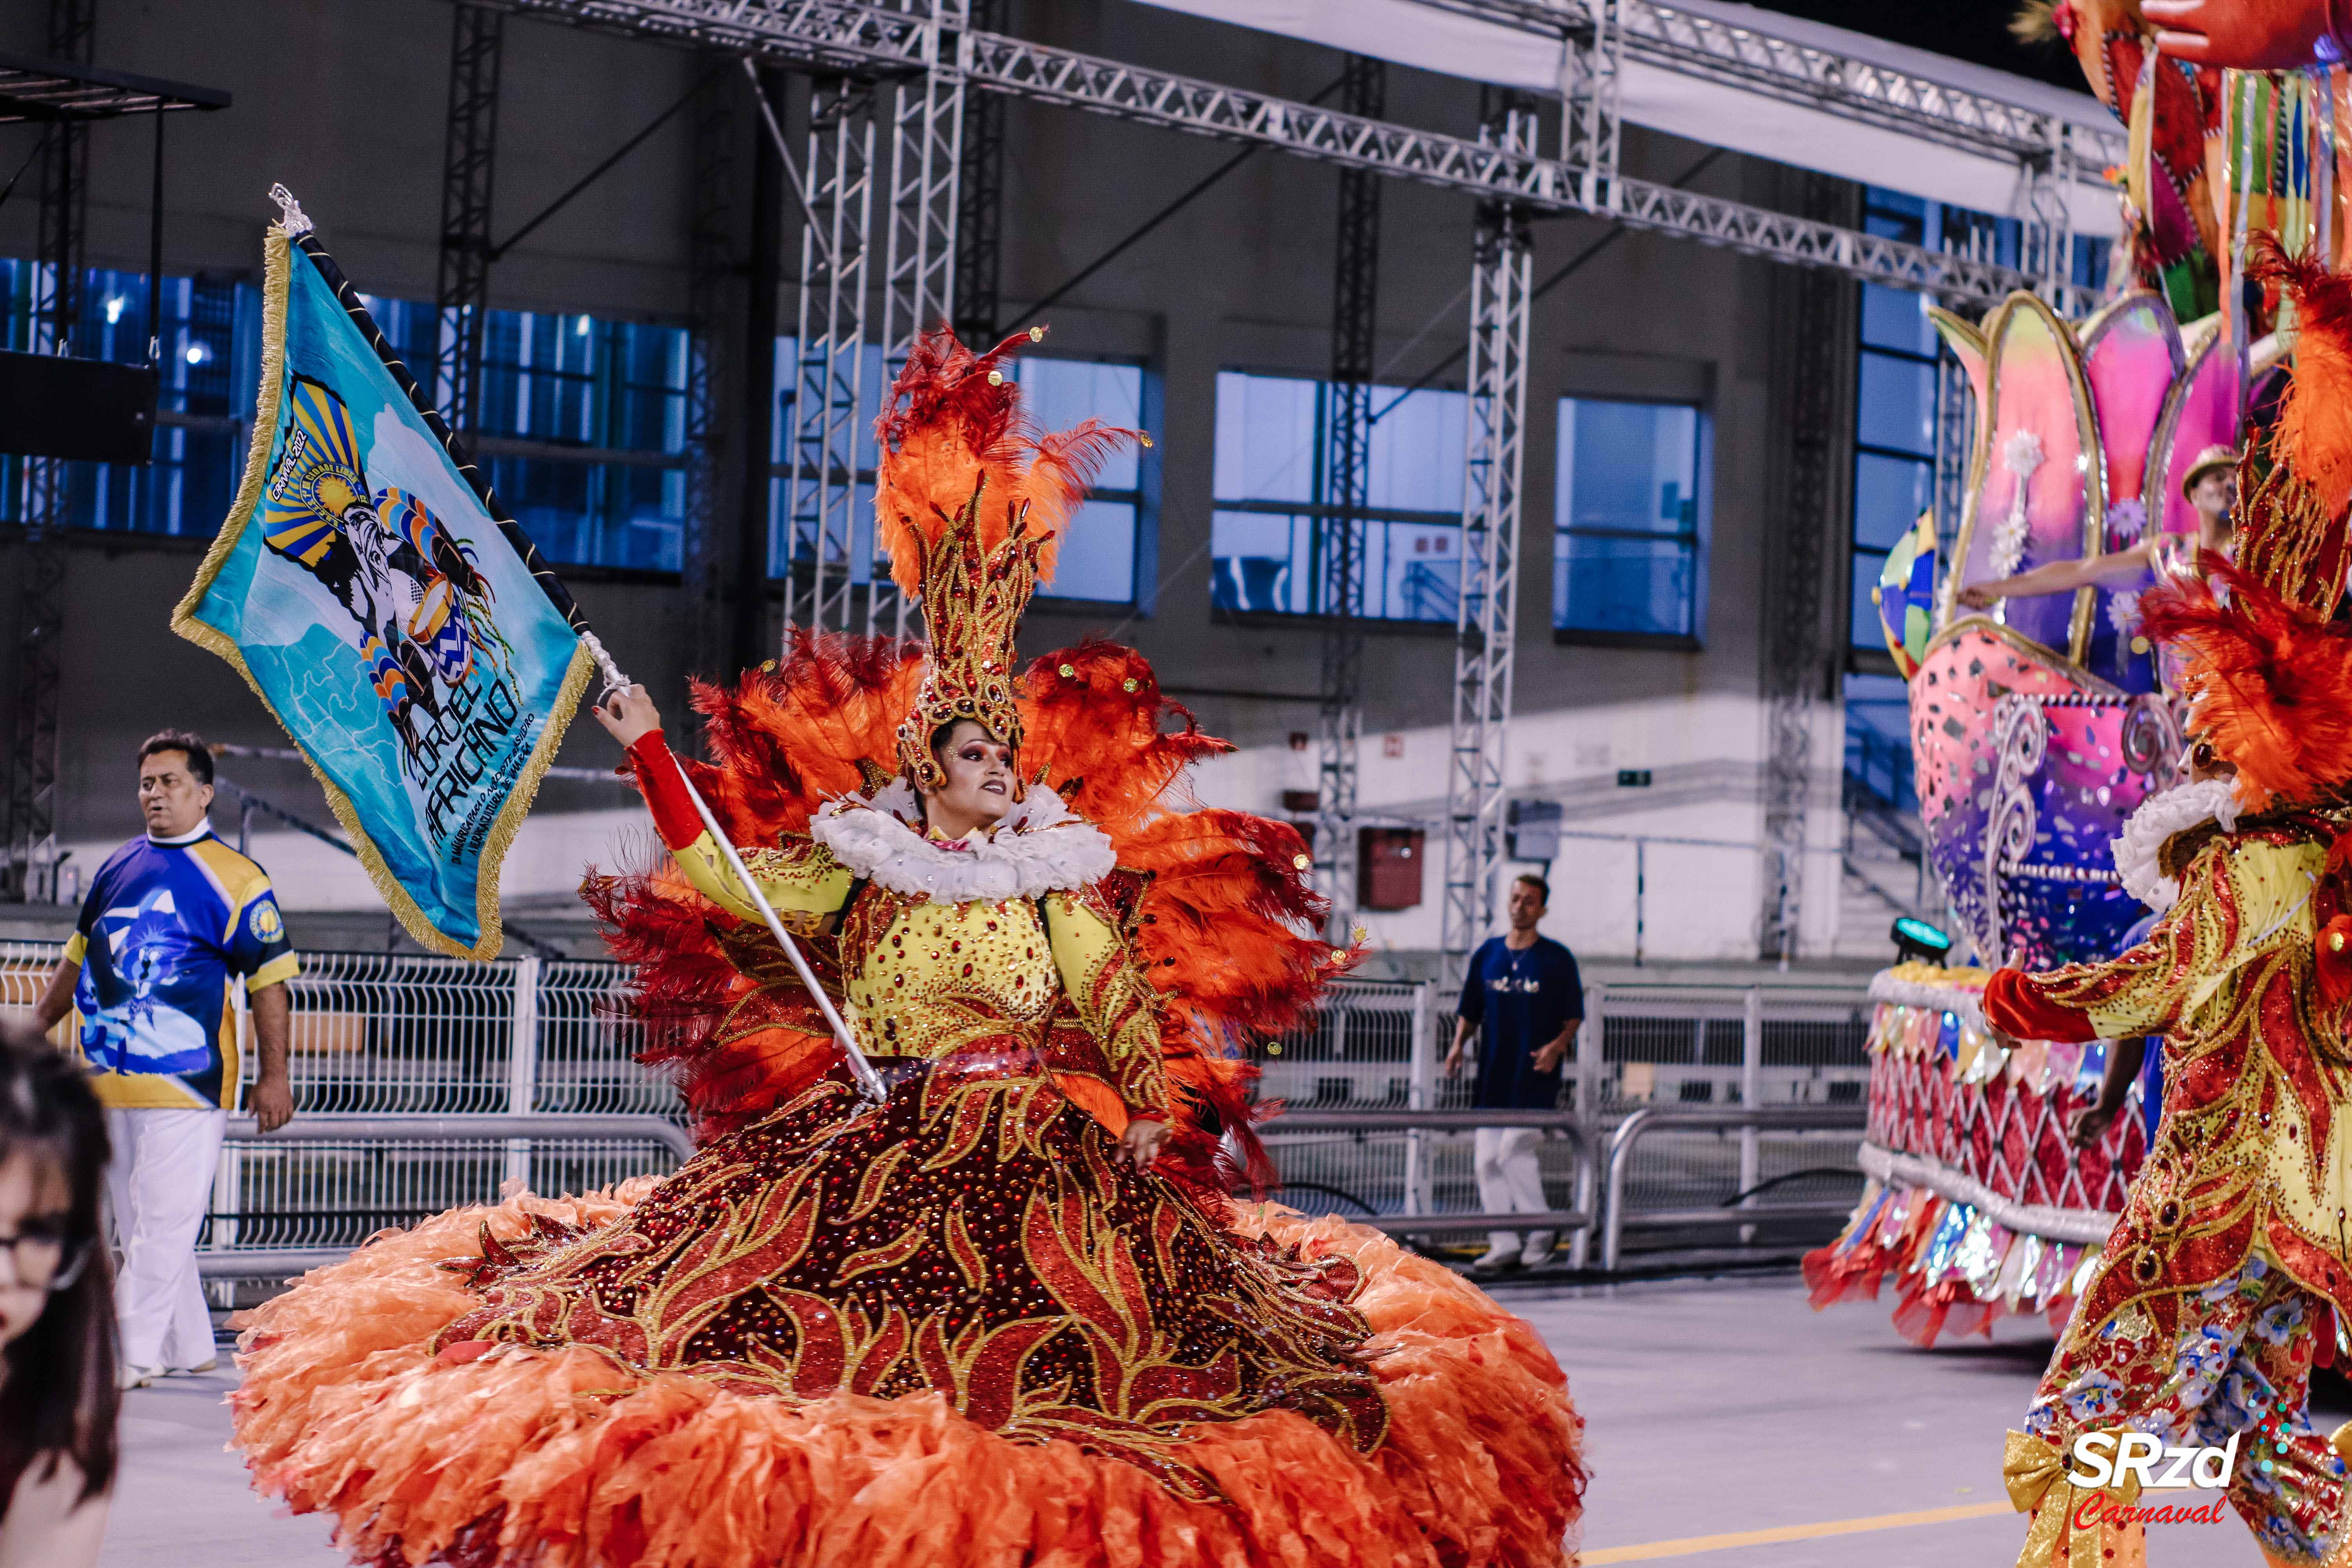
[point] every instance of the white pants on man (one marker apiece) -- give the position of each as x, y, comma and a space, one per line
1511, 1182
158, 1185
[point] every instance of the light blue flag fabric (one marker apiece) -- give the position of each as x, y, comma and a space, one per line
410, 641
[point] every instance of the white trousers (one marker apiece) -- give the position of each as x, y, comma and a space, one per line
1511, 1182
158, 1185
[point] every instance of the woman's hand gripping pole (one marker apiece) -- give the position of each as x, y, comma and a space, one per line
869, 1082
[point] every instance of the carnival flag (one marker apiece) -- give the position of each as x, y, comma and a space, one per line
403, 631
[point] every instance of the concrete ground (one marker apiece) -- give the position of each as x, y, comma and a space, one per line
1716, 1410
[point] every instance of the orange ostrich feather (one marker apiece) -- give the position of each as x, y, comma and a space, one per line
2270, 688
2313, 435
949, 428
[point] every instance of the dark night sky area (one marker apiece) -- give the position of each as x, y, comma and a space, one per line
1973, 30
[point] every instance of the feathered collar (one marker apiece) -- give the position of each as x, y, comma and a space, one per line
1040, 846
2140, 852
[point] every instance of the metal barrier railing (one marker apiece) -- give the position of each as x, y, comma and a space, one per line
1743, 1210
1423, 1130
303, 1196
522, 1073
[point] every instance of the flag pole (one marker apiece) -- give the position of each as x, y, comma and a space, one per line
303, 234
869, 1082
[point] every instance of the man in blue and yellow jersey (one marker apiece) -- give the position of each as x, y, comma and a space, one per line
170, 918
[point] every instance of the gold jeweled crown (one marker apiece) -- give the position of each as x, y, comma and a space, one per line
970, 500
972, 599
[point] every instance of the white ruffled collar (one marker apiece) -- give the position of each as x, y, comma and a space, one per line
2158, 818
1040, 846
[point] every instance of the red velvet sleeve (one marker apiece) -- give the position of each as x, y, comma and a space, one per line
2017, 1008
661, 779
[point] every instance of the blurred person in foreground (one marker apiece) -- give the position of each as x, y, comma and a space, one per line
56, 1314
169, 918
1525, 998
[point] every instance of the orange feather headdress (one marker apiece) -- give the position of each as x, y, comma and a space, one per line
969, 499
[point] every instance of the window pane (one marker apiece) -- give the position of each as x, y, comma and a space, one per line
1630, 585
1097, 554
595, 514
1265, 437
1897, 405
1259, 562
1631, 466
1417, 452
1896, 319
1415, 570
1060, 393
1878, 738
1889, 494
1867, 564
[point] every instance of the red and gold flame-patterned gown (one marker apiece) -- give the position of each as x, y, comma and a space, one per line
2227, 1271
955, 1328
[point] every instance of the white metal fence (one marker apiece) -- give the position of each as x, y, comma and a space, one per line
386, 1034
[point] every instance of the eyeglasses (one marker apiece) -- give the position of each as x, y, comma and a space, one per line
43, 1259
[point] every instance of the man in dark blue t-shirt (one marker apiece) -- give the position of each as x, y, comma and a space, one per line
1526, 999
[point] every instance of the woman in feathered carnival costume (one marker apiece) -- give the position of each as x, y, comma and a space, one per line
2228, 1272
1009, 1315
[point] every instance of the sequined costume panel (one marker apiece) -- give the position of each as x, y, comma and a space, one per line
974, 1236
2200, 1321
2250, 1154
2238, 1362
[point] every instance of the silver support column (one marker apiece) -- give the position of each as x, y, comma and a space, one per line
833, 405
830, 414
1486, 619
925, 116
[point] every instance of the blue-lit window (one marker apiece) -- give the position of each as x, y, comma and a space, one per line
1266, 538
1878, 740
210, 349
1894, 400
1895, 412
1631, 505
1104, 544
583, 424
583, 420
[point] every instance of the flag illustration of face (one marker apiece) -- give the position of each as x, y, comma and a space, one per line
395, 625
411, 593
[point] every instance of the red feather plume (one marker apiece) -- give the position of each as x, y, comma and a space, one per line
2270, 688
948, 428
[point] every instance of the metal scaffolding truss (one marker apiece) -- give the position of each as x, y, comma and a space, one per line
1484, 626
1695, 45
829, 377
830, 402
469, 159
1534, 184
927, 116
29, 869
888, 43
1345, 482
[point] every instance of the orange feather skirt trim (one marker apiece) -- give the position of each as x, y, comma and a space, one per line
562, 1459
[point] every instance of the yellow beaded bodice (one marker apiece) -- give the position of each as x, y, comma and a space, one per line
939, 977
1050, 975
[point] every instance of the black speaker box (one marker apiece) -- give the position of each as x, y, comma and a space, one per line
85, 410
